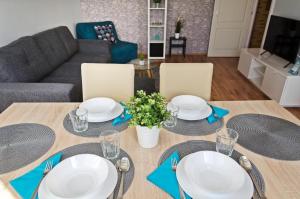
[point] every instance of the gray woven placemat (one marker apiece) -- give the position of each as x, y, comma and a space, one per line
94, 129
96, 149
195, 128
193, 146
266, 135
21, 144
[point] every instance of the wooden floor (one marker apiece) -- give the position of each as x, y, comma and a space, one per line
228, 83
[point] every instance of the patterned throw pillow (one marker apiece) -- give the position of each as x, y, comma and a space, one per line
105, 33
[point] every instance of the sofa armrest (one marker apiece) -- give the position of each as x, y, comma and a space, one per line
95, 47
35, 92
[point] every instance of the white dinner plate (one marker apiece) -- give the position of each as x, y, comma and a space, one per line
212, 175
191, 107
83, 176
99, 105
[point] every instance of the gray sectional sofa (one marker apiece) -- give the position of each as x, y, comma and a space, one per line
46, 67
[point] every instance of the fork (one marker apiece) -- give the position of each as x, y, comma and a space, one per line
48, 167
174, 163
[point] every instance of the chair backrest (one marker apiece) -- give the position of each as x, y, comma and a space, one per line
186, 79
108, 80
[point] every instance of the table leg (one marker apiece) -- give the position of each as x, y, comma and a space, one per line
149, 73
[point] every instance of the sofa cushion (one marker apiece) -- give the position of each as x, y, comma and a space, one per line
10, 65
67, 39
52, 47
89, 58
22, 61
67, 73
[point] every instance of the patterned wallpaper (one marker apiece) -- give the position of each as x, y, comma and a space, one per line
130, 18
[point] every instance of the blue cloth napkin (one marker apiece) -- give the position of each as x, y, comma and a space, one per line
26, 184
165, 178
124, 117
217, 114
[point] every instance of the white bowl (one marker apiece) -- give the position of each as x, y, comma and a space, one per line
78, 177
99, 105
118, 110
191, 107
208, 174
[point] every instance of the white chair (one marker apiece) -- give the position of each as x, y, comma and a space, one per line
115, 81
186, 79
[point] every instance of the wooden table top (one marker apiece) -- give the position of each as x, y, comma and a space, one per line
282, 178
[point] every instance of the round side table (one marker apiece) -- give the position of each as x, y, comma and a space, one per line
143, 70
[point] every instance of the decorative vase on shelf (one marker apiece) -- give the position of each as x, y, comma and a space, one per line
177, 35
157, 5
147, 137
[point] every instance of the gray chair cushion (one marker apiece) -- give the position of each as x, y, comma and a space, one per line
67, 39
22, 61
89, 58
52, 47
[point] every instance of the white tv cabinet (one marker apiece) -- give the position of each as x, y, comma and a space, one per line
267, 73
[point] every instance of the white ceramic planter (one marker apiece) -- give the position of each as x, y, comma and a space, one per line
142, 62
177, 35
157, 5
148, 138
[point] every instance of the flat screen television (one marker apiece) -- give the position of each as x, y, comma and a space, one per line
283, 38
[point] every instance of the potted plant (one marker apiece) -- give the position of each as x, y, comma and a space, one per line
148, 113
157, 3
141, 57
178, 26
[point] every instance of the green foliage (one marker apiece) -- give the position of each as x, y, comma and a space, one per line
141, 56
157, 1
148, 110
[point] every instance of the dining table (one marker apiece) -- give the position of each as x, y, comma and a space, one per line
282, 178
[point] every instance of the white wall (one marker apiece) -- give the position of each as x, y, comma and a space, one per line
287, 8
26, 17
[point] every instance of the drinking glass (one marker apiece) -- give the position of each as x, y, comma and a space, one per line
79, 119
226, 139
172, 121
110, 142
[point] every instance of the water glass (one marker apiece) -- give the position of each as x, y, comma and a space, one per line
172, 121
110, 142
226, 139
79, 119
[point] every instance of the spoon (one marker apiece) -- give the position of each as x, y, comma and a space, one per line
246, 164
123, 166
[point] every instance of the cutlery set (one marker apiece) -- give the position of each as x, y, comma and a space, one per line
123, 166
48, 168
174, 167
246, 164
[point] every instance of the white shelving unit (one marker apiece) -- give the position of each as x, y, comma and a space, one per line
267, 73
157, 46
